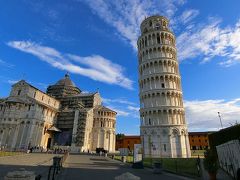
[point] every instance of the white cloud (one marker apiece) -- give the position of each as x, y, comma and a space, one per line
126, 16
38, 85
85, 92
210, 40
119, 100
203, 115
119, 105
188, 15
133, 108
119, 111
12, 81
97, 67
206, 40
6, 64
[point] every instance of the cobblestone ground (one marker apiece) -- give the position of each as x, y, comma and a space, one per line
87, 167
37, 162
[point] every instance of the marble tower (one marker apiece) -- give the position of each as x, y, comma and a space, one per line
163, 127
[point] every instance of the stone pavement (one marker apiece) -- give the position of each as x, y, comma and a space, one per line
87, 167
84, 167
37, 162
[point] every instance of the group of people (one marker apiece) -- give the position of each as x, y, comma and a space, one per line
59, 151
35, 149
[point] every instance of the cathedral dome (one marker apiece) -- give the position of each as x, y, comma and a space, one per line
66, 81
64, 87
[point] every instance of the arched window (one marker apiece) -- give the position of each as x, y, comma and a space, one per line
158, 39
165, 147
164, 24
150, 23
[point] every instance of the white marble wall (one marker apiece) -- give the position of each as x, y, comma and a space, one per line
104, 130
165, 142
162, 116
24, 116
28, 112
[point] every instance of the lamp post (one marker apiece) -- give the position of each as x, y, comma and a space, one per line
219, 115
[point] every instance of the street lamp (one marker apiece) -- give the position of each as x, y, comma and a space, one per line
219, 115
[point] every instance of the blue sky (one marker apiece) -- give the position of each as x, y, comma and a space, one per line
95, 40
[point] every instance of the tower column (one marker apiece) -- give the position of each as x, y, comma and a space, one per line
163, 89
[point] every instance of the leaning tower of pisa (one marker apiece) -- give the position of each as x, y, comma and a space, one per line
163, 127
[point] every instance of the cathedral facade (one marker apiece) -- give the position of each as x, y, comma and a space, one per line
61, 116
163, 126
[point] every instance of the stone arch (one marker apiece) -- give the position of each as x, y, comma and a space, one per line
154, 52
158, 38
153, 38
145, 41
162, 37
150, 53
149, 39
176, 131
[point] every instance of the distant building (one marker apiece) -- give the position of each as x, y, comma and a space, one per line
62, 116
199, 140
127, 142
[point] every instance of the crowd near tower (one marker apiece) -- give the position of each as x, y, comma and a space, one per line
163, 127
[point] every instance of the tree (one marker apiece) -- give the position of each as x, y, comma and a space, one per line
210, 163
119, 136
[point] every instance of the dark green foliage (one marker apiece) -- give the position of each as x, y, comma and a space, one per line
210, 161
120, 136
223, 136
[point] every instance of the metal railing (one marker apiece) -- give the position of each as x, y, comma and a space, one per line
57, 165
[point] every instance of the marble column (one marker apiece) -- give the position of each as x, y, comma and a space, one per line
15, 136
109, 140
23, 126
75, 126
1, 137
30, 132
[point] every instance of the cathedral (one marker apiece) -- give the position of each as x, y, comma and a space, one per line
63, 116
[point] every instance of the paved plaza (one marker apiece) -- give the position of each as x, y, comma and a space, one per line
77, 167
86, 167
37, 162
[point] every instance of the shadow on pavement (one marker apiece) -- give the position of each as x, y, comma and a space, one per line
42, 170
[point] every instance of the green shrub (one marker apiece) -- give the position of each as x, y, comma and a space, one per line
210, 162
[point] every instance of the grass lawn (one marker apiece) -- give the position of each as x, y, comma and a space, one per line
129, 159
195, 153
5, 153
185, 166
176, 165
